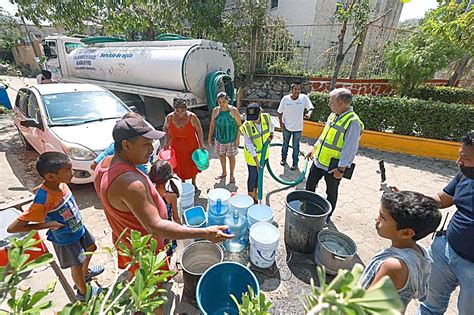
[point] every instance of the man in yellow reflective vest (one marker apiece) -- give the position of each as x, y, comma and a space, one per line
257, 129
339, 140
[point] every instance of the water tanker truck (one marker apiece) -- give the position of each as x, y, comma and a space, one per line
148, 75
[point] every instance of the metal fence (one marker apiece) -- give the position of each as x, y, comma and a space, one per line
312, 49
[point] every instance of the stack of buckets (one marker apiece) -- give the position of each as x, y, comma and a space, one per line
249, 223
187, 196
264, 237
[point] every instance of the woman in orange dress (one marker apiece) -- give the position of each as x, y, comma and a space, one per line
184, 134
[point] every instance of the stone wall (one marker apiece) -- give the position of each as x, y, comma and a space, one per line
377, 87
269, 89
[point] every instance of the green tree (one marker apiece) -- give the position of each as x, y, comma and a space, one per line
453, 22
412, 60
9, 34
357, 13
445, 35
128, 18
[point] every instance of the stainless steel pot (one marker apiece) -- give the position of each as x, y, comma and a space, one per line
334, 251
195, 259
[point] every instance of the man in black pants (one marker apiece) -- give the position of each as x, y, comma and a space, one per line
339, 140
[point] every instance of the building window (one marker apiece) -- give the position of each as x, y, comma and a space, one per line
274, 4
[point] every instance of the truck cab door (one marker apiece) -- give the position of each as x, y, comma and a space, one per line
50, 48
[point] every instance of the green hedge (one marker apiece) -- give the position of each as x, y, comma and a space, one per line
404, 116
446, 94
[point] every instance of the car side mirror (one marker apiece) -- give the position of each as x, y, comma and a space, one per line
30, 122
134, 109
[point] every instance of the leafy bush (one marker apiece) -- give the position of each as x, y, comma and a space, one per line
252, 304
345, 295
445, 94
404, 116
26, 302
140, 295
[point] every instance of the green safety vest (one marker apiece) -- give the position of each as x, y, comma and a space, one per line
248, 128
331, 140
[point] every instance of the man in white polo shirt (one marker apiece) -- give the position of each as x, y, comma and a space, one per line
290, 114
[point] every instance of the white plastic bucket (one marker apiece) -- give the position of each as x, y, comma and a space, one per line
187, 196
242, 203
264, 240
218, 193
259, 213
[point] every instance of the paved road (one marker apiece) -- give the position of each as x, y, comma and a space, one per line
288, 281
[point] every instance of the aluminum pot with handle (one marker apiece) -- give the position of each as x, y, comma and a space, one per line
334, 251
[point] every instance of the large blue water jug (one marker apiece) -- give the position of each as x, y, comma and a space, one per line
238, 226
217, 213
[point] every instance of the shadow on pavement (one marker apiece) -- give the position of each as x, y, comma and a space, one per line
441, 167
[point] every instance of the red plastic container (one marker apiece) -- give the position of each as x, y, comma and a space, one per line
6, 217
168, 155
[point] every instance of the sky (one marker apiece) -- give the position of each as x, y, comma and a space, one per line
7, 6
411, 10
416, 9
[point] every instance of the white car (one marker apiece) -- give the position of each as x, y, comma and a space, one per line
76, 119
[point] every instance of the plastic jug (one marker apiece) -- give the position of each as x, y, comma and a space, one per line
217, 213
218, 193
237, 226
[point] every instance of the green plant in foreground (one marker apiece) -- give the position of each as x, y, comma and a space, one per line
345, 295
252, 304
142, 294
11, 275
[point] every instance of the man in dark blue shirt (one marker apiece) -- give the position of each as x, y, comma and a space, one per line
453, 250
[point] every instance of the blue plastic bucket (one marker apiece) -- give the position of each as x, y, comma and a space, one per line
195, 217
219, 282
4, 100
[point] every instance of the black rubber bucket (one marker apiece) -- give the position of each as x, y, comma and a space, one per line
306, 214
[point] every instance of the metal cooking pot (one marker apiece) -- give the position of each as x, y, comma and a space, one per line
334, 251
195, 259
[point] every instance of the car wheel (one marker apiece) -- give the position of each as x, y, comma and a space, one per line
26, 144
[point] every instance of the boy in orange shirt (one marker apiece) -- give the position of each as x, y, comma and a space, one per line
55, 208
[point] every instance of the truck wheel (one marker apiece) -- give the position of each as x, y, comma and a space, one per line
26, 144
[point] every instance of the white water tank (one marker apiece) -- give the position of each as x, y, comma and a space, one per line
180, 65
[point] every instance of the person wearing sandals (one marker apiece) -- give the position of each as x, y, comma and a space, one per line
225, 123
55, 208
184, 135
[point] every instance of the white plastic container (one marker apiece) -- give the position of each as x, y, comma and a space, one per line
264, 240
218, 193
187, 196
259, 213
242, 203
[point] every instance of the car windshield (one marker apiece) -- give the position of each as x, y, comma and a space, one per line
81, 107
